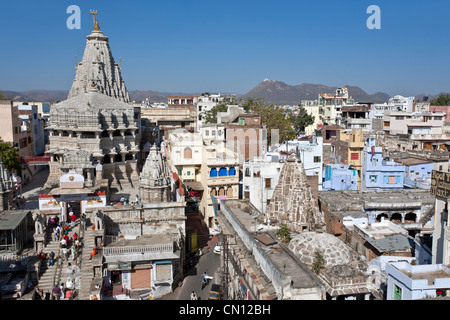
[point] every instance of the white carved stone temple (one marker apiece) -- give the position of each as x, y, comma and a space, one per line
95, 131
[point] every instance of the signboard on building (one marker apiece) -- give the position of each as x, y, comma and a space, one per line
440, 184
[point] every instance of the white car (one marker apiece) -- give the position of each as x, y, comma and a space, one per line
217, 248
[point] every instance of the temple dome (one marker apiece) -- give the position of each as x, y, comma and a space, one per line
333, 250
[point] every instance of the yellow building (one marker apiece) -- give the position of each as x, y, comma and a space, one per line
347, 148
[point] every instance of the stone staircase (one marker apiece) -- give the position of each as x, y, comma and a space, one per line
49, 275
86, 265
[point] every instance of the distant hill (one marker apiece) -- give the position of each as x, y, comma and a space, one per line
152, 96
278, 92
54, 96
51, 96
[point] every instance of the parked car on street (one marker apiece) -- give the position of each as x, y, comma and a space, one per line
214, 293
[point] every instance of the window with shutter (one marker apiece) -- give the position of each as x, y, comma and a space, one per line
163, 272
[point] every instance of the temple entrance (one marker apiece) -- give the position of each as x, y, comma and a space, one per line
75, 206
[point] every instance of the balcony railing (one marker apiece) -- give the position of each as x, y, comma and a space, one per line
138, 249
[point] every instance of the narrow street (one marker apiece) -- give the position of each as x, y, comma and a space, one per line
31, 190
209, 262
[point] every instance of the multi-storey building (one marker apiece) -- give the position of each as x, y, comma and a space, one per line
330, 105
339, 177
378, 173
207, 101
347, 148
356, 117
220, 179
260, 178
182, 102
21, 126
327, 109
247, 136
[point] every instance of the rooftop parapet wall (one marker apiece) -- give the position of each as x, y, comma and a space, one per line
279, 281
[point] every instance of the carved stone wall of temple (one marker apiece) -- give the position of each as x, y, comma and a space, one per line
293, 202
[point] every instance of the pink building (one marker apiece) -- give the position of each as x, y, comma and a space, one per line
401, 122
445, 109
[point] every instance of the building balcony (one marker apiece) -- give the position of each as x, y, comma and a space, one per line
140, 249
356, 145
358, 121
430, 137
220, 181
214, 162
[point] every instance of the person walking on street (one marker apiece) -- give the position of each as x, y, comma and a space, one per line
193, 296
204, 279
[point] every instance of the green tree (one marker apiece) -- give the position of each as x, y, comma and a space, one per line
251, 104
442, 100
210, 116
284, 234
9, 156
272, 116
319, 262
301, 120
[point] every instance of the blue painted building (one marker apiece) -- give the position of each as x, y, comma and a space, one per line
379, 173
339, 177
417, 172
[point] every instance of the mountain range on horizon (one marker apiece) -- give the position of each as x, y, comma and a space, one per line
276, 92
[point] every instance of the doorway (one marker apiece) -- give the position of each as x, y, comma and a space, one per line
116, 278
75, 206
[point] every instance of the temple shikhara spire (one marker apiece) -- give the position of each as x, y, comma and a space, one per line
98, 66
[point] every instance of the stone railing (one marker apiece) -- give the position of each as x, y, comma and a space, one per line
16, 258
138, 249
358, 282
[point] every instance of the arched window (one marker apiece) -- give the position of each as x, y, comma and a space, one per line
213, 192
221, 191
223, 172
410, 217
187, 153
396, 217
230, 192
232, 172
213, 172
380, 216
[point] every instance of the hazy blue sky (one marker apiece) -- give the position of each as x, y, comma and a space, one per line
232, 45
